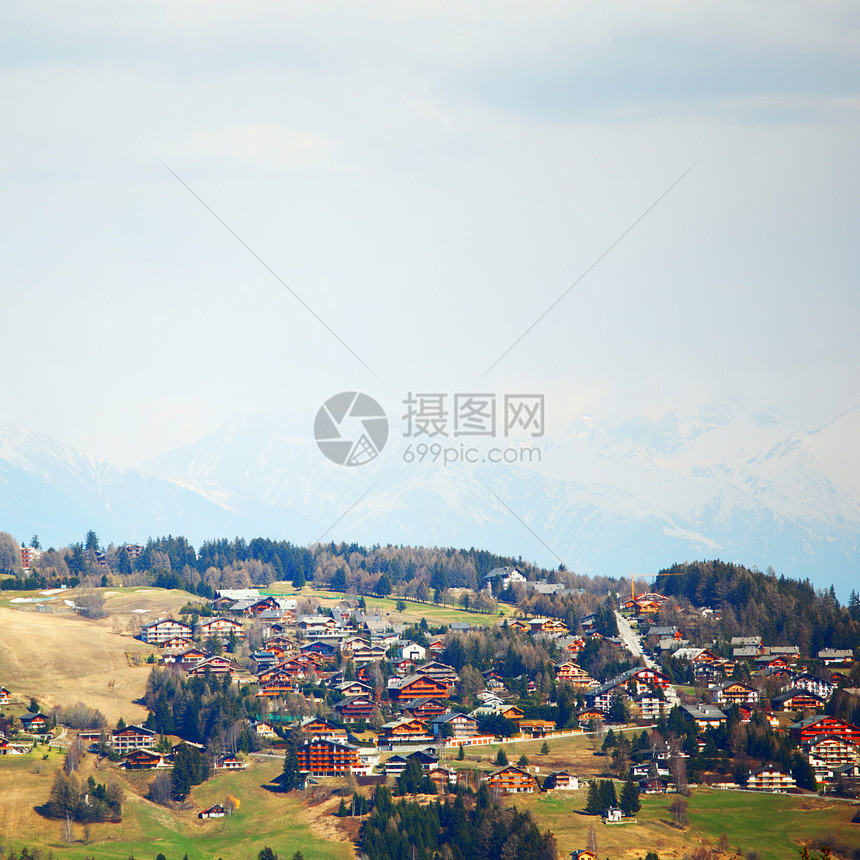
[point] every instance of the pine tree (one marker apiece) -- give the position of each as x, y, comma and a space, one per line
461, 754
606, 792
544, 750
629, 801
501, 758
592, 803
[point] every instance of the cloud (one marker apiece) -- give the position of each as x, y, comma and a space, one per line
266, 144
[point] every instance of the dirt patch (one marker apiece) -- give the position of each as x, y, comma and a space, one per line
326, 825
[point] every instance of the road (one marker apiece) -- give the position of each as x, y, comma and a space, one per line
633, 644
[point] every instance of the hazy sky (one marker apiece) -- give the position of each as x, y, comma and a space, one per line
429, 178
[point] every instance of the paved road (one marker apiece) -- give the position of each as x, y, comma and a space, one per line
633, 643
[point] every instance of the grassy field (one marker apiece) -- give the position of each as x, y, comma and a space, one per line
414, 612
287, 823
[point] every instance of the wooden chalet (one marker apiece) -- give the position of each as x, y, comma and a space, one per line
734, 693
573, 674
5, 696
770, 778
536, 728
355, 688
216, 665
653, 785
404, 731
798, 699
323, 729
424, 709
262, 729
222, 628
548, 626
442, 776
583, 854
355, 708
163, 629
230, 762
824, 726
176, 644
561, 780
189, 657
826, 755
327, 758
511, 712
143, 759
277, 688
419, 686
35, 724
462, 725
439, 672
216, 811
132, 738
511, 779
519, 626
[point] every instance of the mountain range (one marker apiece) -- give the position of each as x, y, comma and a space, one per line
609, 500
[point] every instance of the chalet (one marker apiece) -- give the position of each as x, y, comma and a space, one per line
230, 762
548, 626
583, 854
503, 577
216, 665
325, 650
143, 759
745, 641
561, 781
518, 626
8, 748
262, 729
407, 730
836, 657
412, 651
216, 811
820, 686
397, 763
536, 728
319, 727
5, 696
653, 785
613, 815
511, 712
327, 758
746, 652
222, 629
586, 716
826, 755
824, 727
770, 778
188, 657
276, 688
419, 686
355, 708
424, 709
355, 688
575, 675
651, 706
705, 716
462, 725
132, 738
442, 776
35, 724
512, 780
734, 693
164, 629
176, 644
798, 699
439, 672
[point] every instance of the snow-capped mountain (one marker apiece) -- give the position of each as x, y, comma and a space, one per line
604, 500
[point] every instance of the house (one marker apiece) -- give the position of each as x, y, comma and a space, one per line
418, 686
613, 815
824, 726
424, 709
439, 672
651, 706
175, 644
462, 725
143, 759
573, 674
511, 780
583, 854
836, 657
263, 729
442, 776
798, 699
412, 651
132, 738
327, 758
216, 811
216, 665
35, 724
406, 730
222, 629
355, 688
653, 785
503, 577
319, 727
164, 629
536, 728
230, 762
5, 696
355, 708
820, 686
734, 693
511, 712
826, 755
770, 778
561, 781
705, 716
189, 657
549, 626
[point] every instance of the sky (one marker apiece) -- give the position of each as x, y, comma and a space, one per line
427, 180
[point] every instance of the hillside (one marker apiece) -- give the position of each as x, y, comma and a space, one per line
61, 659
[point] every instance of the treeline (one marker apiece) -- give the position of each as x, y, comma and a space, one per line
782, 611
410, 831
87, 802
